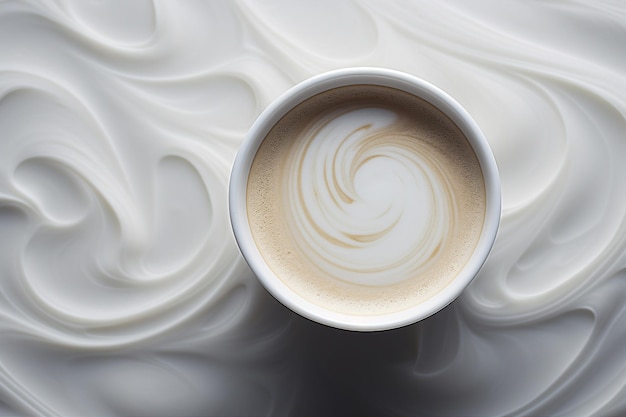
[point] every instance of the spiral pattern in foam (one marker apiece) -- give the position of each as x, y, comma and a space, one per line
369, 201
372, 189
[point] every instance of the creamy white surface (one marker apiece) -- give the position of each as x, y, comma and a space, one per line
366, 210
122, 291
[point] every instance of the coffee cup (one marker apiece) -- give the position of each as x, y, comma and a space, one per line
365, 199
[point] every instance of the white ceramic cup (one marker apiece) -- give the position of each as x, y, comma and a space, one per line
360, 76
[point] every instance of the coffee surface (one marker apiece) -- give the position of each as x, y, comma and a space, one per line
366, 200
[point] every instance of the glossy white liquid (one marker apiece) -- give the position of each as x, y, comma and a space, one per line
122, 291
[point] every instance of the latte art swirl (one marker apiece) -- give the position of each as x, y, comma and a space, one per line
365, 200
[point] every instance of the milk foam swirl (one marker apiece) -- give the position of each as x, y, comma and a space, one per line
365, 200
370, 204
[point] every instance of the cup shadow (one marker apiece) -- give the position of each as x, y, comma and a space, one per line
366, 373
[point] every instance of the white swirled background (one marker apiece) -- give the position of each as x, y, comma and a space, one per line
122, 291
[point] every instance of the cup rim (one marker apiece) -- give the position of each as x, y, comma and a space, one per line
237, 191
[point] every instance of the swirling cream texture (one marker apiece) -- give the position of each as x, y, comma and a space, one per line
368, 177
122, 291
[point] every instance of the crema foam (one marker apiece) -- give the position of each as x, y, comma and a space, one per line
366, 200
